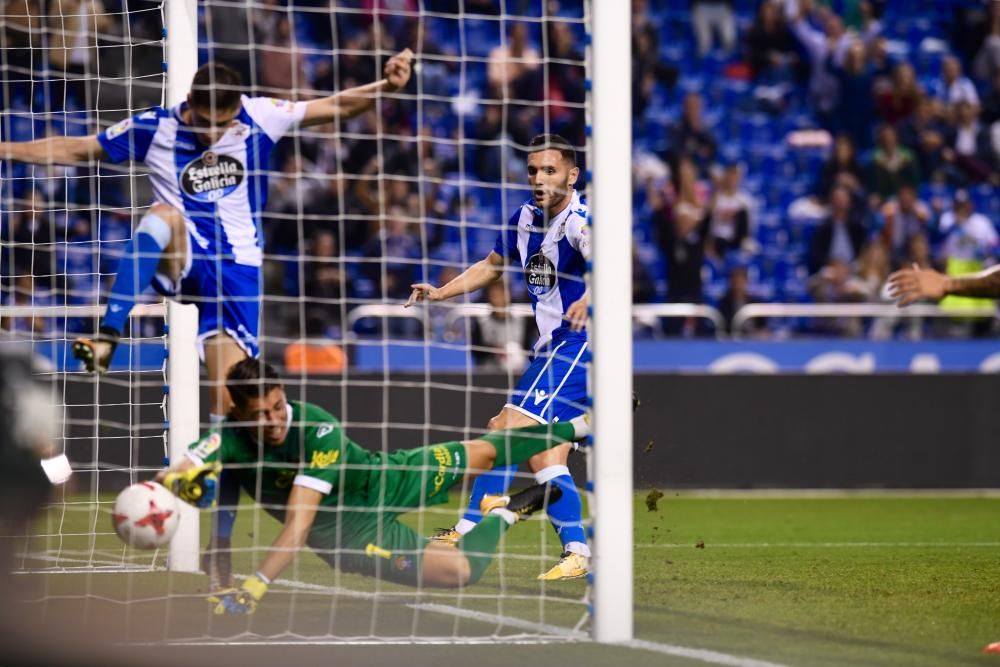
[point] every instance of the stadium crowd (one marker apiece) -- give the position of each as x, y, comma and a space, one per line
738, 198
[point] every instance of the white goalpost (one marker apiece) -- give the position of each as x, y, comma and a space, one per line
611, 373
415, 190
182, 365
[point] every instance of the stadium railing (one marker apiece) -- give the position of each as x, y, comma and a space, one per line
887, 311
647, 314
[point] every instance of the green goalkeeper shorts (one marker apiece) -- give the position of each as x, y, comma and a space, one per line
374, 542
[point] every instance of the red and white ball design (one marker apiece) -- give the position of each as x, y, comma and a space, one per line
146, 515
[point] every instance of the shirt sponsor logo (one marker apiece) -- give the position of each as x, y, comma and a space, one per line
324, 459
212, 176
540, 274
443, 458
373, 550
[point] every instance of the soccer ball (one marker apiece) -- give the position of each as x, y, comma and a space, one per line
145, 515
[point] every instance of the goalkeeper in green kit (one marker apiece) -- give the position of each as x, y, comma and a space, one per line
344, 501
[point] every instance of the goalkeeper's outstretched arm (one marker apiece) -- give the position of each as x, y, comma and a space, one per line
355, 101
300, 512
477, 276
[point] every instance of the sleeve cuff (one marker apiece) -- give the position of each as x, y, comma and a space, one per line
108, 147
198, 461
313, 483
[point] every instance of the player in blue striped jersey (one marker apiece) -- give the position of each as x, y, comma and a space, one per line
548, 237
201, 240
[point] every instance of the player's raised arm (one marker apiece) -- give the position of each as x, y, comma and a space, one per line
914, 284
477, 276
355, 101
53, 150
300, 513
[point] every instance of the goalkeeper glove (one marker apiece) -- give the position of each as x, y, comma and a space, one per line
196, 486
242, 600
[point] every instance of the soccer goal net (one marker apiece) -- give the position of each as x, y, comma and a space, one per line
414, 190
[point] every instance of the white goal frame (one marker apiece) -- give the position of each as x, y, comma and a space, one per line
611, 325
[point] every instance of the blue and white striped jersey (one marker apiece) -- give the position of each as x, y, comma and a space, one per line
554, 259
221, 189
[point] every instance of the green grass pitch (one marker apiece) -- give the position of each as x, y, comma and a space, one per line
867, 580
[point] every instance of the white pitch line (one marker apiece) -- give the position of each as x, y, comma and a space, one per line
496, 619
822, 545
554, 632
701, 655
365, 641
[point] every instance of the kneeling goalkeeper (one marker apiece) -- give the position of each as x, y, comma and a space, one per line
344, 501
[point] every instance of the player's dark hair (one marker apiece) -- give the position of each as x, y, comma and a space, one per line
251, 379
216, 86
546, 142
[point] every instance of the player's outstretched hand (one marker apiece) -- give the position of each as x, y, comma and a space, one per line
914, 284
423, 292
242, 600
397, 69
577, 314
196, 485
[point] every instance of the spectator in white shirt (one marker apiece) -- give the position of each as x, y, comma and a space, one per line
970, 237
954, 87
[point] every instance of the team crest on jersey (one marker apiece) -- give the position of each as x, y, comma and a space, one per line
540, 274
561, 232
212, 176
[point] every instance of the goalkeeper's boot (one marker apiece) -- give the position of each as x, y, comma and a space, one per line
446, 536
524, 503
96, 352
570, 566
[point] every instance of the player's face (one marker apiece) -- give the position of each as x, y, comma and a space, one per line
550, 176
211, 124
267, 417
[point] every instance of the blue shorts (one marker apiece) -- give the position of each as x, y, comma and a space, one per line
554, 386
227, 295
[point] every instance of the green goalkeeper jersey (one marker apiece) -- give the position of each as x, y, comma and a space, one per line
315, 454
357, 526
